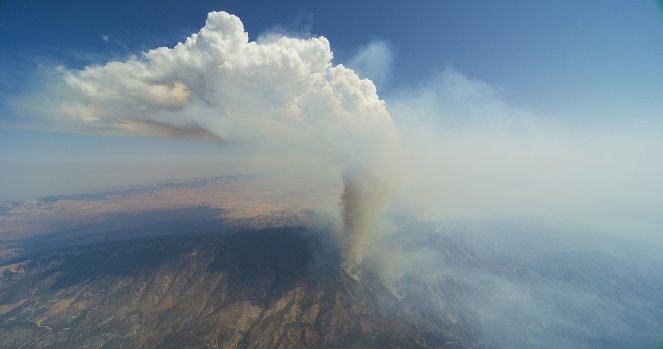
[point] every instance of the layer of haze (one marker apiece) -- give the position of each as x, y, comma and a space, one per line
477, 158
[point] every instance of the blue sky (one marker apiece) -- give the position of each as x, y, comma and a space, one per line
593, 61
547, 54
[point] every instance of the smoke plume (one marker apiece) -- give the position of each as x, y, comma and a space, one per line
361, 205
279, 101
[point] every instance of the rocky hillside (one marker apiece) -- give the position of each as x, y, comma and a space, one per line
278, 288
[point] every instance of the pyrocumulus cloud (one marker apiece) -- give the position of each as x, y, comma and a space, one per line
281, 98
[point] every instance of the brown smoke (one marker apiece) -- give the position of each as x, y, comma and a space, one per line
361, 208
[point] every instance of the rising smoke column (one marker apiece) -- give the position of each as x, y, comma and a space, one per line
282, 97
361, 209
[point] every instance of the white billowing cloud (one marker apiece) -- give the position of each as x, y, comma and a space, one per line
374, 61
280, 99
219, 81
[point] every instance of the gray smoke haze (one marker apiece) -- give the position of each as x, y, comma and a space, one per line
474, 157
542, 231
552, 289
